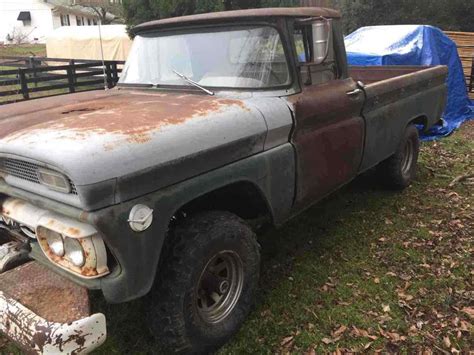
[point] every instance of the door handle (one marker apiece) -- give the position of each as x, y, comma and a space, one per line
354, 92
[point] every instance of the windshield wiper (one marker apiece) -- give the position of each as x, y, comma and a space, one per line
193, 83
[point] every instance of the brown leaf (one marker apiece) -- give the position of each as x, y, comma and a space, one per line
362, 333
339, 331
469, 311
405, 297
465, 326
386, 308
368, 345
447, 342
327, 341
377, 280
287, 342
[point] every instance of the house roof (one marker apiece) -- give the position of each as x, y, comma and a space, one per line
240, 14
62, 6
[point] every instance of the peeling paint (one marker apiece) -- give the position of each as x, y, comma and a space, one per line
45, 313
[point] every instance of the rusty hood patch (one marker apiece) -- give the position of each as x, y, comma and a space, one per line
95, 137
129, 114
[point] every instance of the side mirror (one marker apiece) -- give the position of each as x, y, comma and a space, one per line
321, 40
316, 33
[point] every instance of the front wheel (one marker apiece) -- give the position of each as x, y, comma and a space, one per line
399, 170
206, 284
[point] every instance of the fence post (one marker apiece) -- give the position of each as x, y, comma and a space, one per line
71, 73
23, 84
115, 73
108, 71
32, 65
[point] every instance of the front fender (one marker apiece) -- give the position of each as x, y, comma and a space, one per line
138, 253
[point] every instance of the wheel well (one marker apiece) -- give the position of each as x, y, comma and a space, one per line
421, 120
243, 199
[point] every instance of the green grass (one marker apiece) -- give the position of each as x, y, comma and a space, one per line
38, 50
392, 271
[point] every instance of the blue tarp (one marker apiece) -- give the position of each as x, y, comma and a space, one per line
415, 45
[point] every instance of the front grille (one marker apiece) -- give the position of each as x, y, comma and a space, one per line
26, 171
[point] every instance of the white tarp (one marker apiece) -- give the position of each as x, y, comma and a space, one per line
83, 42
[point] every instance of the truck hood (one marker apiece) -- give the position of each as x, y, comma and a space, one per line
98, 136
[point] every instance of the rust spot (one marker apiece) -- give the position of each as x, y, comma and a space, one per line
73, 232
88, 271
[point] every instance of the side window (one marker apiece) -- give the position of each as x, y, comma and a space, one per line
315, 51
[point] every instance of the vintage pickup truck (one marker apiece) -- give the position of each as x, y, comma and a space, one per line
148, 189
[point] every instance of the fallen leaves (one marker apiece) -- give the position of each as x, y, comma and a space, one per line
392, 335
469, 311
362, 333
287, 341
339, 331
447, 342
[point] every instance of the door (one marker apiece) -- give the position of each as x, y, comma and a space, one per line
329, 129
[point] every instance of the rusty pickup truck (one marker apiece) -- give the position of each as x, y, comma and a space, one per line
148, 189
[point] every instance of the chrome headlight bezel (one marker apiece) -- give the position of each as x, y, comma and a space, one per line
92, 248
41, 224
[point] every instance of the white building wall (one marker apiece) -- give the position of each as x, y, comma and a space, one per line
41, 19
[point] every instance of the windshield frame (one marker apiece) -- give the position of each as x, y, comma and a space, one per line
222, 27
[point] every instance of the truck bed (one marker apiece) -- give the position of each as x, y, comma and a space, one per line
372, 74
395, 97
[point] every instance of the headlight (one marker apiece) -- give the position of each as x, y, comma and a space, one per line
86, 257
74, 252
55, 243
54, 180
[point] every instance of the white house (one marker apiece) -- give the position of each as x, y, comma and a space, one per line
32, 21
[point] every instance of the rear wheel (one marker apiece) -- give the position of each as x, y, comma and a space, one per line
206, 284
399, 170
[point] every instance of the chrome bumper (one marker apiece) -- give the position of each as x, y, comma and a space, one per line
45, 313
36, 334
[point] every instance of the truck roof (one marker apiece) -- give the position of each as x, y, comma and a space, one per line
238, 15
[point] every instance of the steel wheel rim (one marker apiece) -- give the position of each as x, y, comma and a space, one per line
219, 287
407, 158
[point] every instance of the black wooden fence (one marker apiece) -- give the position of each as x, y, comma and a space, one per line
35, 77
470, 72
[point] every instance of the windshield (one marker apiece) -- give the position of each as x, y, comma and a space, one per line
237, 58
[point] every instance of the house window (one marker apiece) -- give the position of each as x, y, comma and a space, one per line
94, 21
65, 20
79, 21
89, 22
